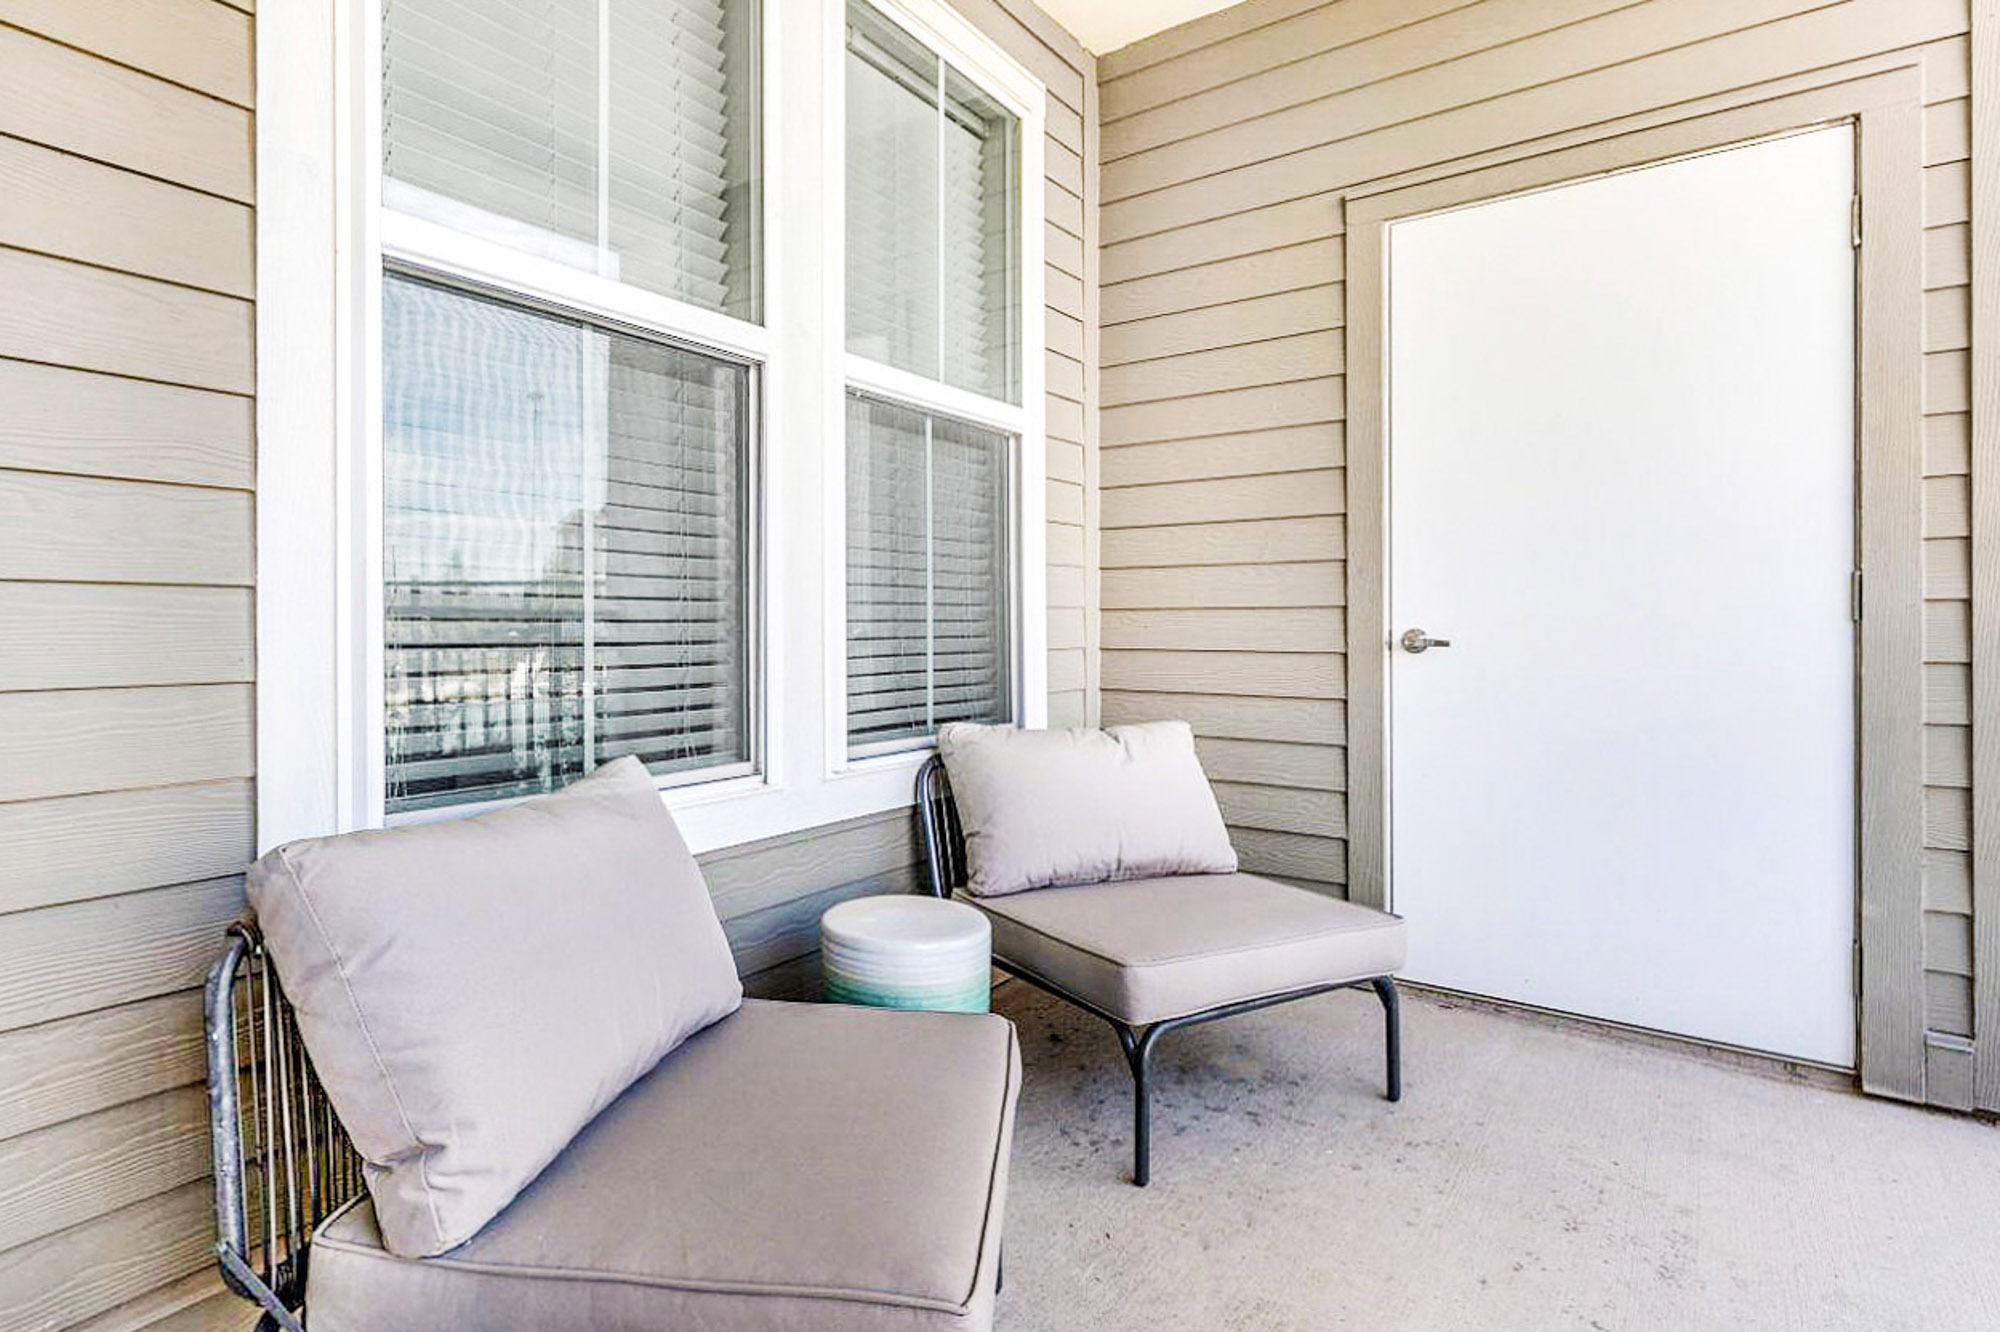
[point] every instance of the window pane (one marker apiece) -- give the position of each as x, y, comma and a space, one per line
669, 597
927, 574
490, 126
564, 555
892, 195
933, 215
685, 178
492, 105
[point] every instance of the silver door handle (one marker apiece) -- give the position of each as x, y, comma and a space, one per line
1416, 640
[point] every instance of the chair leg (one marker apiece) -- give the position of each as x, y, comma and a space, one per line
1385, 990
1139, 1054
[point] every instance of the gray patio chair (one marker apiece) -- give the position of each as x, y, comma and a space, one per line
1151, 956
619, 1231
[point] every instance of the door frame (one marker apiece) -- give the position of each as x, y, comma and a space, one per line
1886, 107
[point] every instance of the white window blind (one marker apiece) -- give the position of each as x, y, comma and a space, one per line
933, 209
491, 125
928, 574
565, 516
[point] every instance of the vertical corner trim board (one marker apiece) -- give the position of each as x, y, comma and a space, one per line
1891, 498
1985, 465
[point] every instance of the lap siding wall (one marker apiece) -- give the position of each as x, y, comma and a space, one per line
127, 572
127, 563
1227, 146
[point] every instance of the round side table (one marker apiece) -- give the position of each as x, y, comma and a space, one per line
907, 951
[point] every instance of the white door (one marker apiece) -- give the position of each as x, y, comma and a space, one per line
1621, 475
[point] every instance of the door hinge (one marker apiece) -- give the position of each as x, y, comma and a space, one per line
1855, 216
1857, 969
1854, 595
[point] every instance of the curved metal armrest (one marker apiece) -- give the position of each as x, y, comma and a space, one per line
283, 1163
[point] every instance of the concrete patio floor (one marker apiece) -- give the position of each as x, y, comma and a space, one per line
1535, 1176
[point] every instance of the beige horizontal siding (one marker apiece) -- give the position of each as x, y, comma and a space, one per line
1275, 763
74, 208
64, 420
1255, 319
1292, 494
61, 1279
88, 318
1947, 255
101, 530
1238, 716
70, 848
1285, 629
105, 634
1201, 285
60, 961
195, 1303
1293, 855
195, 43
76, 1171
126, 677
64, 1070
74, 741
1289, 585
1510, 97
80, 103
1283, 808
1253, 544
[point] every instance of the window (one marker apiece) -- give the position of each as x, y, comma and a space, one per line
565, 512
565, 544
677, 368
933, 292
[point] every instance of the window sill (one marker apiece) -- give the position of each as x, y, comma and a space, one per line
734, 811
725, 814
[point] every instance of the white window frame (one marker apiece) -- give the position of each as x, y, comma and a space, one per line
322, 242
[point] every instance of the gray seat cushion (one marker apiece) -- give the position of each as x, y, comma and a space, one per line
1147, 949
794, 1166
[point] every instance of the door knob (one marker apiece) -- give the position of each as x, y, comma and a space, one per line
1416, 640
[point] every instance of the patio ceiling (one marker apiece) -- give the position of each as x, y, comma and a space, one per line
1105, 25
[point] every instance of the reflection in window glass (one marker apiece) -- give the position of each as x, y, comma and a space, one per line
565, 551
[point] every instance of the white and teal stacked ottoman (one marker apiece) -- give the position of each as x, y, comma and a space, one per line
907, 951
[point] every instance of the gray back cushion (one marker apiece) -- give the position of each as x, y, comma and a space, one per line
1046, 808
473, 992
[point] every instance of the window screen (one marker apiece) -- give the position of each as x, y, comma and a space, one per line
566, 535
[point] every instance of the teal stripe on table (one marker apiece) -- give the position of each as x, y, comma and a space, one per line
971, 996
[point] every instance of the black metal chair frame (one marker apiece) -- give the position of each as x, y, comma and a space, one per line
283, 1163
944, 859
